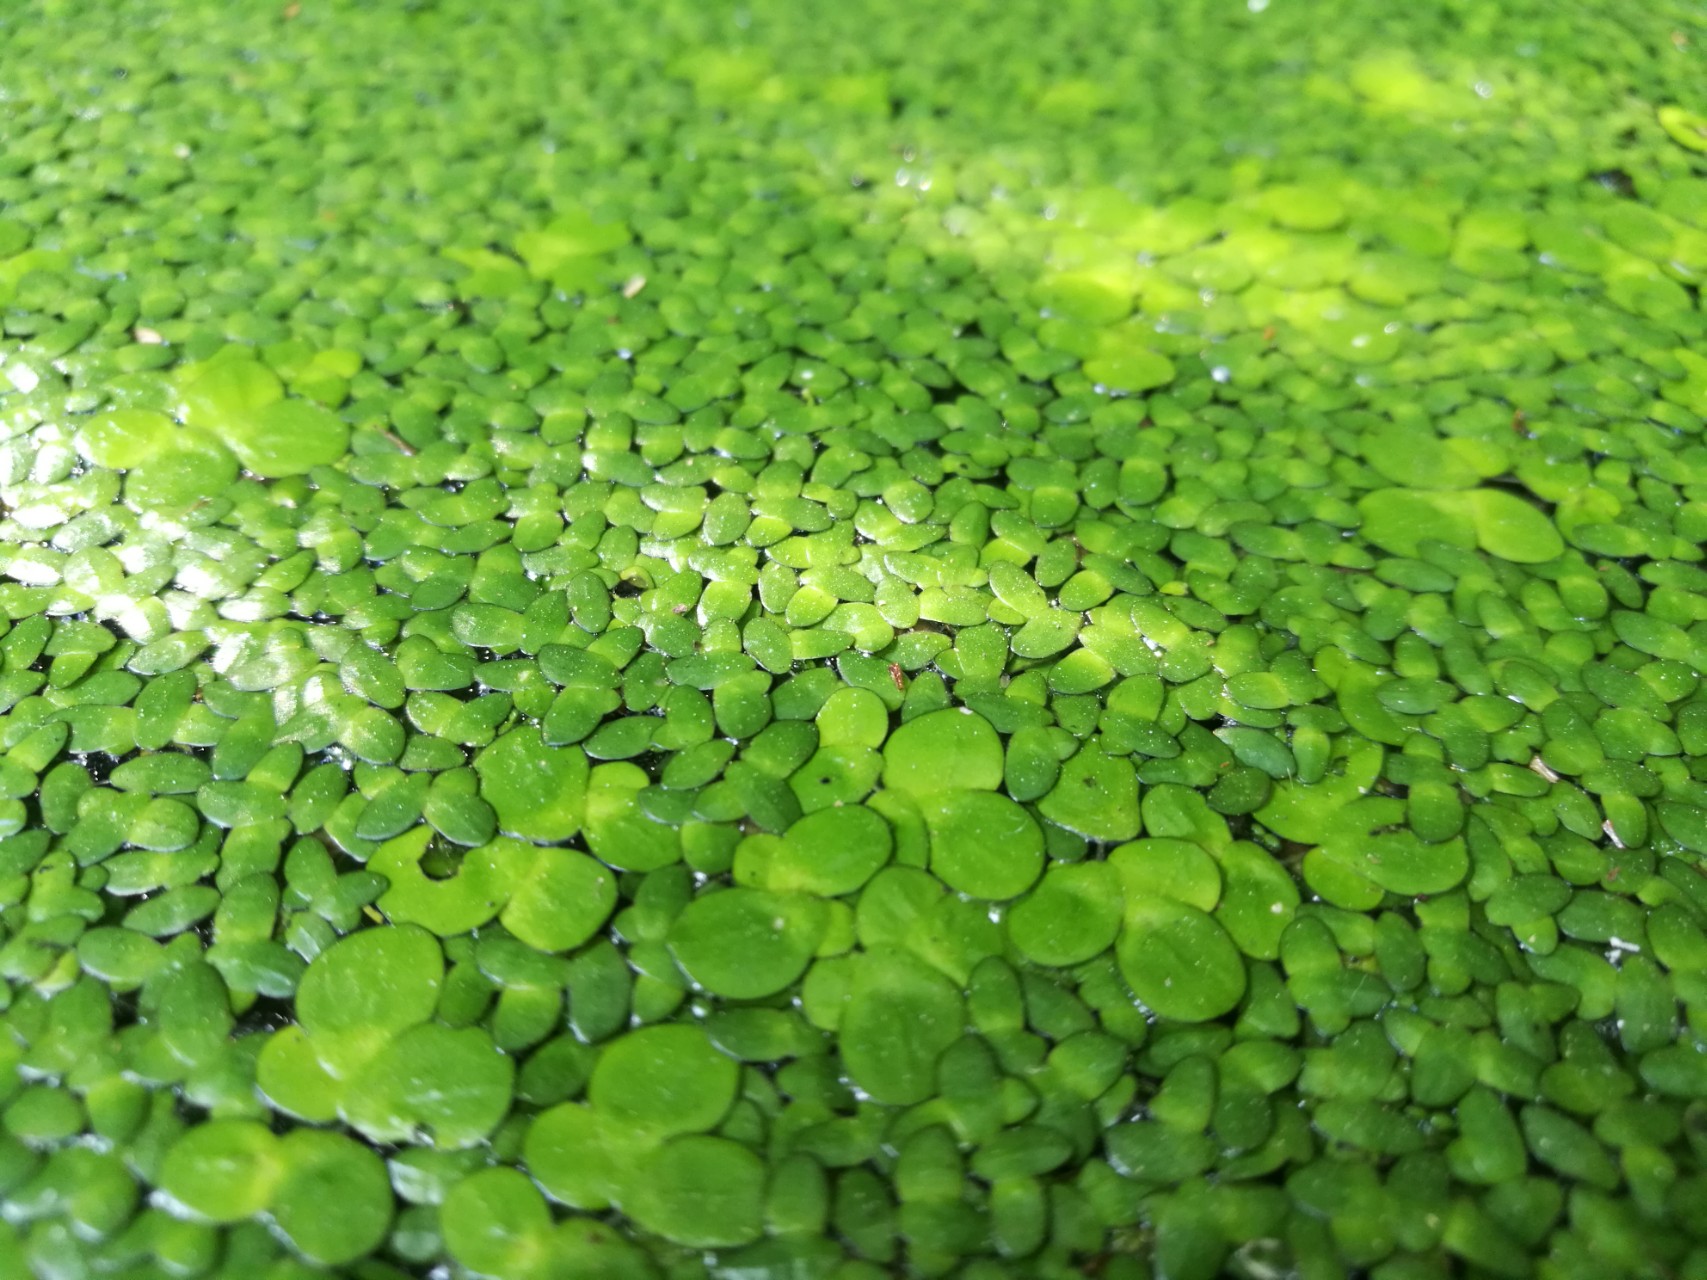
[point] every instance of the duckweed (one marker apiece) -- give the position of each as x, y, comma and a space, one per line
831, 643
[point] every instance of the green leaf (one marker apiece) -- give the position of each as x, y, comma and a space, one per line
1073, 914
701, 1192
567, 240
578, 1155
286, 438
333, 1201
1510, 528
452, 1084
661, 1081
1096, 796
983, 844
746, 943
223, 1170
1179, 962
1131, 370
538, 791
376, 981
831, 852
1398, 520
900, 1016
560, 900
293, 1080
1164, 868
190, 473
941, 750
225, 393
448, 904
1686, 128
495, 1223
1401, 863
122, 438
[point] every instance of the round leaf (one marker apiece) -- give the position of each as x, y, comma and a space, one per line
453, 1084
1179, 962
286, 438
121, 438
983, 844
495, 1223
664, 1080
831, 852
701, 1192
1095, 796
377, 980
560, 900
538, 791
333, 1202
1072, 915
899, 1018
942, 749
746, 943
223, 1170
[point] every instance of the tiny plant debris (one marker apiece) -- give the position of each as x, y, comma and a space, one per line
853, 641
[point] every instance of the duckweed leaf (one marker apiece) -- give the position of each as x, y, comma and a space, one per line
223, 395
292, 1078
1073, 914
1259, 899
1401, 863
538, 791
900, 1016
172, 479
619, 831
1686, 128
449, 904
223, 1171
565, 240
1178, 961
943, 749
1133, 371
454, 1085
286, 438
702, 1192
746, 943
661, 1081
982, 844
495, 1223
333, 1200
577, 1154
122, 438
1398, 520
1164, 868
831, 852
1096, 795
560, 901
1510, 528
378, 981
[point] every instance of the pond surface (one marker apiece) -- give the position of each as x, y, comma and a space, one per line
832, 642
